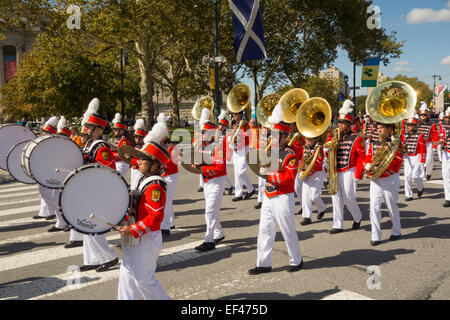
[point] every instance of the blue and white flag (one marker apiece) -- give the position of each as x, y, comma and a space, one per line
248, 30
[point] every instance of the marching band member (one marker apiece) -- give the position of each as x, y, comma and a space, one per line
262, 141
160, 134
60, 224
139, 135
386, 187
415, 156
441, 134
119, 129
239, 150
214, 184
298, 146
75, 237
137, 278
49, 204
428, 129
96, 251
349, 156
222, 128
312, 185
446, 158
278, 205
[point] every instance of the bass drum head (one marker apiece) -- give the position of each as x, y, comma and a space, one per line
94, 189
13, 162
10, 135
52, 153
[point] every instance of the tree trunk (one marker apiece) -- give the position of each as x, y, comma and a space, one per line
176, 108
146, 84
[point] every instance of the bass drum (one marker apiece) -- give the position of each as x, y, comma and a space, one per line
49, 159
94, 189
10, 135
13, 163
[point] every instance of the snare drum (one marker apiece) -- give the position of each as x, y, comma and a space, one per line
96, 189
10, 135
49, 159
13, 163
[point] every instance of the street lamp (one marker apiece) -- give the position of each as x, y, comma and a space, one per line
434, 87
345, 86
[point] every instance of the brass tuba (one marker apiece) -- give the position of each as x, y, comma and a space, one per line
290, 103
238, 100
389, 103
263, 111
203, 102
313, 119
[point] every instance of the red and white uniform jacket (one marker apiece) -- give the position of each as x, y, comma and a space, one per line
283, 180
317, 167
122, 142
429, 131
149, 203
298, 146
99, 151
350, 153
243, 138
446, 137
396, 163
218, 167
172, 166
415, 144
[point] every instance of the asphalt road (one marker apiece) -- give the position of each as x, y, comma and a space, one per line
35, 265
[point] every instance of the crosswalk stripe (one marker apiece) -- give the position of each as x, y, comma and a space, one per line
5, 204
58, 284
9, 212
346, 295
30, 238
19, 194
17, 189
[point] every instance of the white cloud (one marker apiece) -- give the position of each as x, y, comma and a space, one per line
446, 60
402, 63
425, 15
404, 70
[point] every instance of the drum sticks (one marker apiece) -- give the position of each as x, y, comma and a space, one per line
92, 216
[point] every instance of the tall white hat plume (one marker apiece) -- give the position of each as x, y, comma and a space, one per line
347, 107
117, 118
62, 123
53, 122
139, 124
92, 108
158, 133
222, 115
277, 115
204, 118
161, 118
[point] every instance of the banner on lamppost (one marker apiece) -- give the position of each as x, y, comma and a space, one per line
248, 30
212, 78
370, 72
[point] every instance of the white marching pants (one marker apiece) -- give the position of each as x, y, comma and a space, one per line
413, 169
137, 278
169, 218
439, 152
96, 250
201, 183
446, 173
75, 235
345, 195
60, 223
49, 204
213, 191
384, 189
429, 161
298, 186
227, 181
135, 176
122, 168
311, 191
261, 188
241, 178
278, 210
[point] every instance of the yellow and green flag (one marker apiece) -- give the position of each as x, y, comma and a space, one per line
370, 72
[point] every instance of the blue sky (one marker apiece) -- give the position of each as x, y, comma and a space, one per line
425, 28
427, 40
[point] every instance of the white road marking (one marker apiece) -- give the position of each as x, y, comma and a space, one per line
58, 284
19, 194
24, 187
13, 211
346, 295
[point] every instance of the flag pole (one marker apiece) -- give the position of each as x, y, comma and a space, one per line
217, 101
255, 81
